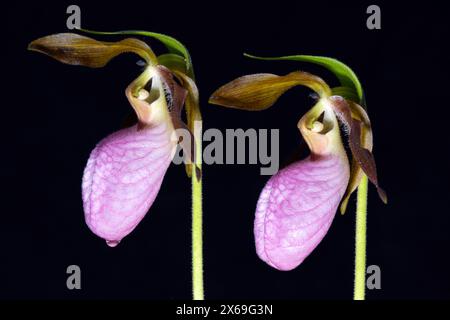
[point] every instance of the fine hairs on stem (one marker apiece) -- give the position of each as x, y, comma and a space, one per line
360, 240
197, 226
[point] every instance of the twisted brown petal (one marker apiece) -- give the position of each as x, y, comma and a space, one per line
362, 156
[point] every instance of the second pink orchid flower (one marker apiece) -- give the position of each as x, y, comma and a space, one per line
298, 204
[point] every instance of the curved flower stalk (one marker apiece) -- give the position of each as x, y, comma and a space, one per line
125, 170
298, 204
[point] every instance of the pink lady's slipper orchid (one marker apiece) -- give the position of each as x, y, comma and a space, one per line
125, 170
298, 204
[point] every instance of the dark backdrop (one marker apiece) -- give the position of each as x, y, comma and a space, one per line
54, 114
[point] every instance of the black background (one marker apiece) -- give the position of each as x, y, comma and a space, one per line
54, 114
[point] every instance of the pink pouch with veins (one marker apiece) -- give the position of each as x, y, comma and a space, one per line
125, 170
298, 204
296, 208
122, 178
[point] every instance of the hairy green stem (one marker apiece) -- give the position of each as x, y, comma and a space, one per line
360, 240
197, 226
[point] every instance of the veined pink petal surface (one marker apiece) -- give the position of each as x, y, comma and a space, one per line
296, 208
122, 178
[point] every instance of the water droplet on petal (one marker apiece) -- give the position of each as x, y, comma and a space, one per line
112, 243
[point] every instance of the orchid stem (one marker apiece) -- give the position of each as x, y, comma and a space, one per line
197, 226
360, 240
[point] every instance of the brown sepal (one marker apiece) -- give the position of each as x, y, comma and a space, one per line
75, 49
260, 91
